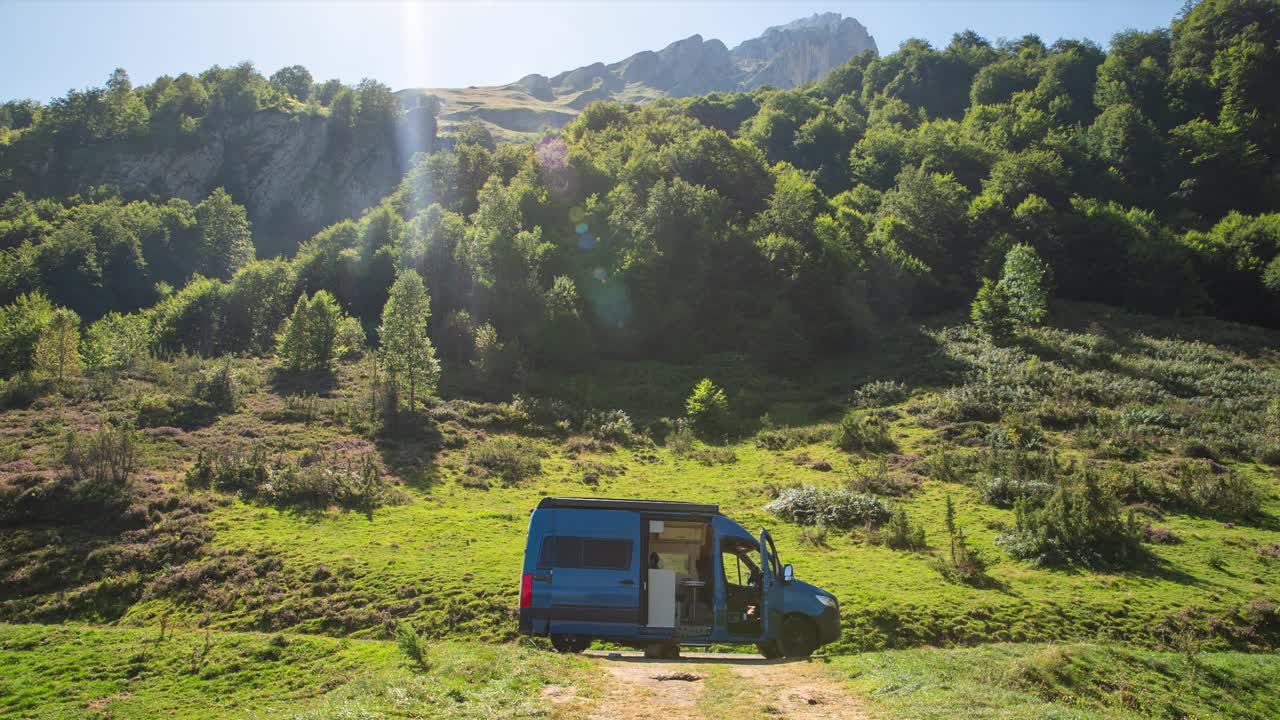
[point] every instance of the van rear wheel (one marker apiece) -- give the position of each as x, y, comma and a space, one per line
570, 644
799, 637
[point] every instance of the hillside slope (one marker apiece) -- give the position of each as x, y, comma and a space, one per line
292, 535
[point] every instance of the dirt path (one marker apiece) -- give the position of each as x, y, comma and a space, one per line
701, 685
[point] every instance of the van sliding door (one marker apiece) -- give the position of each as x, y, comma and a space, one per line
594, 586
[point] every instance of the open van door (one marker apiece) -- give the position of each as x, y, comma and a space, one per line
771, 588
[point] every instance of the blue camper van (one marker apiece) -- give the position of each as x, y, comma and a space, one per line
658, 575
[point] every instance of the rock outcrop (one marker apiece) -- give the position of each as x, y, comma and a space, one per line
784, 56
295, 173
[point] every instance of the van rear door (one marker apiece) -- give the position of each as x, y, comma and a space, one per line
594, 578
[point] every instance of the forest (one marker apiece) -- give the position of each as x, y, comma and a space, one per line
786, 224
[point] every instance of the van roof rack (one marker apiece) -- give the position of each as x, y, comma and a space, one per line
621, 504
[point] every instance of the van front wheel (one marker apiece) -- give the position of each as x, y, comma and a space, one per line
799, 637
570, 644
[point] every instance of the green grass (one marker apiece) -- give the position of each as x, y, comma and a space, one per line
77, 671
1013, 682
446, 554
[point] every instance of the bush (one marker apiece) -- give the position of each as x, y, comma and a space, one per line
413, 646
610, 426
1079, 524
841, 509
680, 440
1198, 486
160, 410
707, 409
1005, 492
861, 432
900, 534
787, 438
218, 389
316, 479
351, 341
505, 458
105, 459
1270, 456
713, 456
991, 313
883, 482
814, 537
878, 394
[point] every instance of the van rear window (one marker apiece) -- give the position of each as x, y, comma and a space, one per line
584, 552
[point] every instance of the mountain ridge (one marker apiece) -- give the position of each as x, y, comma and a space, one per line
784, 56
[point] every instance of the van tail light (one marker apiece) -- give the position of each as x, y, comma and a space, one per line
526, 590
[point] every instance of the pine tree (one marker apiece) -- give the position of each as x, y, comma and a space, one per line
292, 349
406, 349
57, 351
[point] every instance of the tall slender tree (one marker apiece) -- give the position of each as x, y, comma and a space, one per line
406, 351
57, 352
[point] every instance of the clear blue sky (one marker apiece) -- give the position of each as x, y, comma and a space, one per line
50, 46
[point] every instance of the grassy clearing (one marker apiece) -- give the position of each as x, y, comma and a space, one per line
78, 671
1122, 395
1053, 681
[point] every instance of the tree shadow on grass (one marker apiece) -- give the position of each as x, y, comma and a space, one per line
408, 447
315, 382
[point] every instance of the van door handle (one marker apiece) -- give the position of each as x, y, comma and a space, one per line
628, 582
542, 577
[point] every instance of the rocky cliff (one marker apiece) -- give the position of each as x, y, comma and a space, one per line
294, 172
784, 56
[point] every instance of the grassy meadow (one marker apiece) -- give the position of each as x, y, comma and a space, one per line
433, 535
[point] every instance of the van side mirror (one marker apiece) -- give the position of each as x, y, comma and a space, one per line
787, 573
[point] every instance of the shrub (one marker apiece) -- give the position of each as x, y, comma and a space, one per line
942, 466
413, 646
713, 456
218, 388
900, 534
316, 479
1160, 536
680, 440
350, 341
1197, 486
610, 426
861, 432
1079, 524
1024, 277
1270, 455
505, 458
991, 313
21, 390
841, 509
707, 408
117, 342
883, 482
878, 394
107, 458
962, 563
160, 410
1016, 434
814, 536
1005, 492
787, 438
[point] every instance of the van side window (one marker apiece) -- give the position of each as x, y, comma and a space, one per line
578, 552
